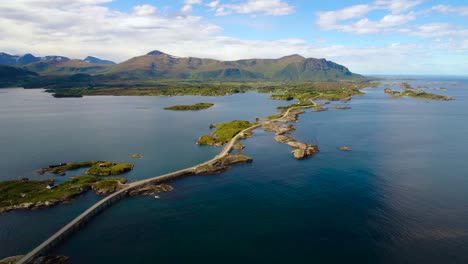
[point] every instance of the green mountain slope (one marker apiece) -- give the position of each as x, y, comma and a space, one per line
65, 67
12, 76
157, 65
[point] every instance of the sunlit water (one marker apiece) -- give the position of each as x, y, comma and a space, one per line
400, 195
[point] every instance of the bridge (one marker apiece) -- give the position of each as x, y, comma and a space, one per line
98, 207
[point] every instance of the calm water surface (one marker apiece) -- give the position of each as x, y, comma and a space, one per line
398, 197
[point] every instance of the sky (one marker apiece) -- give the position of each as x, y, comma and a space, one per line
367, 36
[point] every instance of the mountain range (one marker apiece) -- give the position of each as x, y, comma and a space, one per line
157, 65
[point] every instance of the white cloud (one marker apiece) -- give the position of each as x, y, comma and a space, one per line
353, 19
193, 2
268, 7
144, 10
397, 6
460, 10
330, 19
213, 4
188, 7
333, 20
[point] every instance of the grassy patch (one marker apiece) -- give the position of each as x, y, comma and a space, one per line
198, 106
97, 167
415, 94
109, 168
224, 132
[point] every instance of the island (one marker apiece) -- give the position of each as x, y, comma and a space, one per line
197, 106
409, 91
97, 167
29, 194
334, 90
225, 132
35, 194
222, 164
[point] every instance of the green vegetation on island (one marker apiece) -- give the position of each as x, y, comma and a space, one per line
333, 90
224, 132
28, 194
100, 168
222, 164
411, 92
198, 106
109, 168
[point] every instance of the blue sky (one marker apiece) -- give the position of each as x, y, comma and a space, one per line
370, 37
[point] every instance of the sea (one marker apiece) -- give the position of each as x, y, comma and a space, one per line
399, 196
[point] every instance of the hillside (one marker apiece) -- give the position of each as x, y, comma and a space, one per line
143, 71
157, 65
65, 67
10, 76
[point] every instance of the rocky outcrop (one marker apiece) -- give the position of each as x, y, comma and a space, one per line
151, 189
278, 129
222, 164
38, 260
40, 205
302, 150
342, 107
292, 116
238, 146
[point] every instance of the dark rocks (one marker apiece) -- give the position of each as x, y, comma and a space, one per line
302, 150
151, 189
222, 164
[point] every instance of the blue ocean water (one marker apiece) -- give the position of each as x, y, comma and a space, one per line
398, 197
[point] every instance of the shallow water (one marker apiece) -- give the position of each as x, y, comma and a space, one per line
398, 197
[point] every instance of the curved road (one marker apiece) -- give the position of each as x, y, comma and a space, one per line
90, 211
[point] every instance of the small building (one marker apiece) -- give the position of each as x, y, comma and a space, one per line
50, 185
102, 165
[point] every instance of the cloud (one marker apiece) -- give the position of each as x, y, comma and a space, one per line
188, 7
213, 4
397, 6
332, 21
144, 10
267, 7
460, 10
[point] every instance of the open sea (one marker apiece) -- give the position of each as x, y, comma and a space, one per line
400, 195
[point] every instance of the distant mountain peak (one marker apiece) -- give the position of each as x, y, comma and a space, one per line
293, 56
156, 53
91, 59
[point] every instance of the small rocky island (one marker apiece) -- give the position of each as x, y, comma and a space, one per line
100, 168
409, 91
341, 107
198, 106
225, 132
345, 148
222, 164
